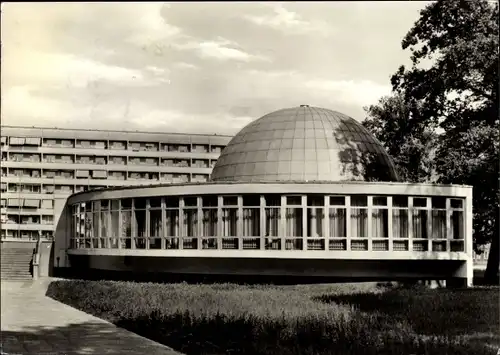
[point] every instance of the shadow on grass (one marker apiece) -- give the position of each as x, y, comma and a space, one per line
440, 311
80, 338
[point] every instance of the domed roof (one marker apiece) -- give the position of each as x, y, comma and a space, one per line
304, 144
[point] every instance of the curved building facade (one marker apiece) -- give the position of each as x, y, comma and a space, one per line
299, 192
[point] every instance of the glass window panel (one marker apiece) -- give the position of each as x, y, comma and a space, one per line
337, 200
229, 222
190, 222
419, 224
114, 232
293, 222
357, 200
126, 203
209, 222
172, 202
379, 201
380, 223
337, 217
140, 203
315, 218
155, 223
400, 201
419, 202
456, 203
439, 224
399, 223
251, 222
230, 200
457, 224
172, 222
155, 202
359, 223
273, 216
140, 223
313, 200
251, 200
126, 230
438, 202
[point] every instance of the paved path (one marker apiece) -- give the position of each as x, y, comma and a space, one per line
32, 323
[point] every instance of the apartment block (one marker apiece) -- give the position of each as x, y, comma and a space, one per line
41, 167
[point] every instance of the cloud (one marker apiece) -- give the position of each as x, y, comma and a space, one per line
289, 22
184, 65
64, 69
219, 49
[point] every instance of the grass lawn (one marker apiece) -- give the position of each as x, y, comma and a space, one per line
293, 320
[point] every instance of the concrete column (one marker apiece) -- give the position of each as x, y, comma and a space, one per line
348, 222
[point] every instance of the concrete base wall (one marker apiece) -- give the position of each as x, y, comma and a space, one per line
343, 270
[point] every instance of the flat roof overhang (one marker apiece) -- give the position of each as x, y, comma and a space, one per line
290, 188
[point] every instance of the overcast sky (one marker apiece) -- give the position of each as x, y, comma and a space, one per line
195, 67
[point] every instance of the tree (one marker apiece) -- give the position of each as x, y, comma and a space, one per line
412, 149
452, 85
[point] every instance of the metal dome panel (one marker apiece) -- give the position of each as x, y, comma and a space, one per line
304, 144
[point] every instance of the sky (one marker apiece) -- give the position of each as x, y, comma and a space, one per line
195, 67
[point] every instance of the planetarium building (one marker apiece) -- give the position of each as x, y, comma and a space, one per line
302, 191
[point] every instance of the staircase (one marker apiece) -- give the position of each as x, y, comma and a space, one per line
15, 264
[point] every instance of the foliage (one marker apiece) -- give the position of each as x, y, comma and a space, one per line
412, 150
452, 86
231, 319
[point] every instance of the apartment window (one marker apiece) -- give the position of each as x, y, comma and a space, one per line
84, 159
212, 163
4, 156
82, 174
200, 148
167, 162
181, 163
4, 186
99, 174
64, 188
119, 145
49, 142
47, 204
135, 146
4, 171
117, 175
117, 160
17, 141
199, 178
198, 163
48, 189
34, 141
3, 140
179, 178
49, 174
100, 160
3, 202
65, 174
64, 159
35, 173
99, 144
47, 219
31, 203
49, 158
67, 143
29, 188
134, 161
83, 143
151, 161
14, 202
216, 149
167, 177
151, 146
